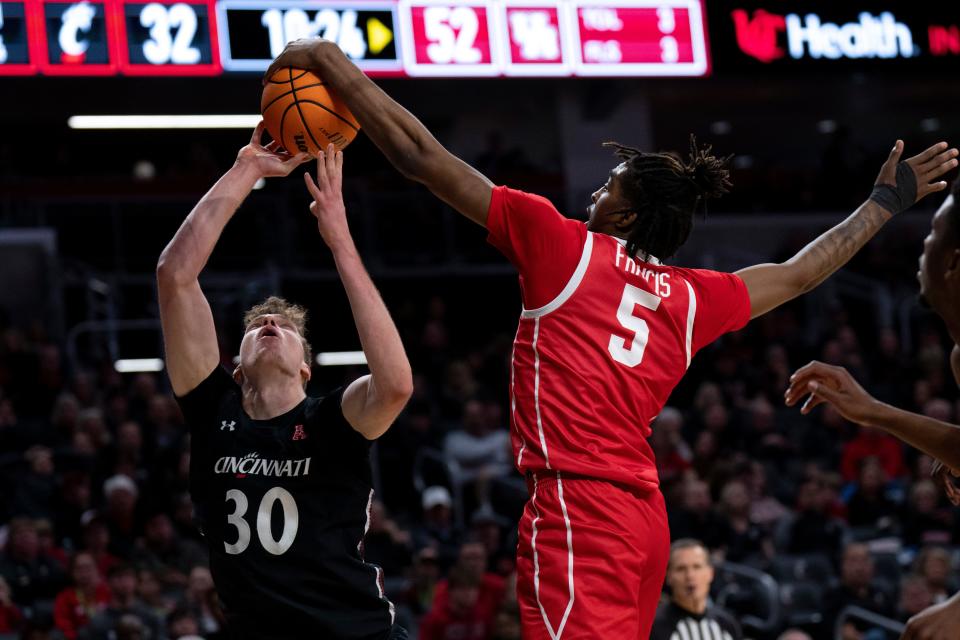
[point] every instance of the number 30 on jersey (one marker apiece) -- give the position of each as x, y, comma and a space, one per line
291, 521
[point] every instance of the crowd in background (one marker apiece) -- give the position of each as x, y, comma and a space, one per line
98, 541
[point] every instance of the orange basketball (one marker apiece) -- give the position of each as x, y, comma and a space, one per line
303, 115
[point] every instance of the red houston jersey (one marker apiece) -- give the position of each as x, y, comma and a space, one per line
603, 340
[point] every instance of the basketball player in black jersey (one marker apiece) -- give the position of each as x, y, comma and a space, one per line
281, 482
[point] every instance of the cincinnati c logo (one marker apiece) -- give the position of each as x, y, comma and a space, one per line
757, 37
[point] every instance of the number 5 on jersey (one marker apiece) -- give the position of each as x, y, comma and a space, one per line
632, 297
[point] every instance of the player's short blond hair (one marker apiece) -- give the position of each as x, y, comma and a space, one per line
275, 305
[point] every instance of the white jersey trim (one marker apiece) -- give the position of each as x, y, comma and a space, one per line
513, 405
554, 635
691, 316
571, 286
536, 391
378, 572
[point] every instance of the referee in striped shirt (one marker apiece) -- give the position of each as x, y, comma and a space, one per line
688, 615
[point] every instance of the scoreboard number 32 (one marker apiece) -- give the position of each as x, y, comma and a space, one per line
172, 29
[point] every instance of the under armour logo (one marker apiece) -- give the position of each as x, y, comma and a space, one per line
757, 37
298, 433
224, 425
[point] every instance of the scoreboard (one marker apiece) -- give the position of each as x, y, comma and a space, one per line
439, 38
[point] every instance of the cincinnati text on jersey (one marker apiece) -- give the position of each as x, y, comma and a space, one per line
253, 464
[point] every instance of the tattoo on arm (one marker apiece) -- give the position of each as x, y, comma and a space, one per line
819, 259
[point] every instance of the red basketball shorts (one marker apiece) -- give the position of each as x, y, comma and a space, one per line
591, 559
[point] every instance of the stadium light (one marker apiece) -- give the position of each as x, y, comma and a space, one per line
340, 358
232, 121
138, 365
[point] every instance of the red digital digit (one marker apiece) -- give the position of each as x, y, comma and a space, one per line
443, 38
640, 37
535, 38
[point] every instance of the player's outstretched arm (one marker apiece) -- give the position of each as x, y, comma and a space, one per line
371, 403
408, 145
899, 185
939, 622
821, 383
189, 335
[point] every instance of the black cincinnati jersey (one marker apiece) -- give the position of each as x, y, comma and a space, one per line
283, 505
676, 623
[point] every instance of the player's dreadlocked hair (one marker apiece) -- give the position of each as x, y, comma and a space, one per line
665, 192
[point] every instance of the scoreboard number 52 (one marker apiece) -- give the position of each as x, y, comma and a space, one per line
452, 32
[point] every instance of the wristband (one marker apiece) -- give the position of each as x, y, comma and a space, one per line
896, 199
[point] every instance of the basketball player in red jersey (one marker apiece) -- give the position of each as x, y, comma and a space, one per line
607, 331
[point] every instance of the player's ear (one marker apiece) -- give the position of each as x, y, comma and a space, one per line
953, 267
238, 375
623, 220
305, 373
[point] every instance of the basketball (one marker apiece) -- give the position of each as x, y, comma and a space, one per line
303, 115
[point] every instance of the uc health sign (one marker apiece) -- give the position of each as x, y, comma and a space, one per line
749, 34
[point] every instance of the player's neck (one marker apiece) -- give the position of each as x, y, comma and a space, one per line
269, 399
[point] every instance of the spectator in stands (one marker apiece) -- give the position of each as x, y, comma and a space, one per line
480, 449
127, 455
438, 529
872, 443
688, 613
201, 599
813, 530
486, 527
506, 626
461, 615
386, 544
75, 606
37, 485
47, 543
915, 596
765, 510
794, 634
673, 455
10, 616
419, 594
96, 541
164, 552
491, 588
745, 541
924, 522
123, 607
697, 517
120, 513
73, 500
182, 624
856, 588
33, 575
935, 566
869, 506
151, 593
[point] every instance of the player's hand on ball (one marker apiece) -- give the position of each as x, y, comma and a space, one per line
297, 54
827, 383
327, 194
269, 160
939, 622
